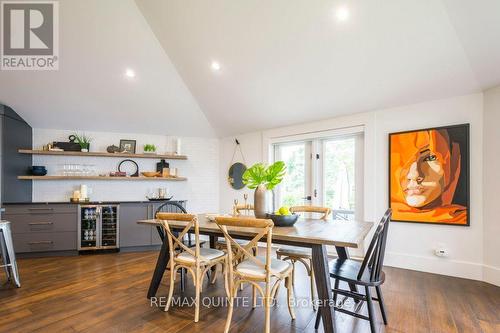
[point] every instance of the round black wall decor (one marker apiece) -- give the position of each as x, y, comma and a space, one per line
235, 175
130, 165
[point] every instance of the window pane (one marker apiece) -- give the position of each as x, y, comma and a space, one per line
293, 187
339, 182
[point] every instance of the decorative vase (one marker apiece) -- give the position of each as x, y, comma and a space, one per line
262, 201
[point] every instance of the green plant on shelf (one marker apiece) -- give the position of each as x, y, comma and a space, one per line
83, 140
149, 148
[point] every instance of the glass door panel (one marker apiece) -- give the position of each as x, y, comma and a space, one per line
109, 217
294, 189
339, 176
88, 227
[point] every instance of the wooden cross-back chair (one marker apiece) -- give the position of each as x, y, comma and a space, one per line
242, 208
196, 261
239, 209
302, 255
246, 267
367, 273
177, 207
325, 211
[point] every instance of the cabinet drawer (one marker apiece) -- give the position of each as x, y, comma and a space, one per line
35, 209
23, 223
42, 242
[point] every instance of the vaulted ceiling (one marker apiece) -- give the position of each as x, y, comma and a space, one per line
99, 40
281, 62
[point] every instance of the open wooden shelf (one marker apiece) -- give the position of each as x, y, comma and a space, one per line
102, 154
169, 179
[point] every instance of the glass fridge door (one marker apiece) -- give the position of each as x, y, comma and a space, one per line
88, 227
109, 226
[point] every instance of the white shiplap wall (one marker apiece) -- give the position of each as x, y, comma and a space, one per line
202, 170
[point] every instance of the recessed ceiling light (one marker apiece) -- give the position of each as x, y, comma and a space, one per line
342, 13
129, 73
215, 66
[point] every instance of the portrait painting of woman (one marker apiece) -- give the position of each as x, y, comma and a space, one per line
429, 175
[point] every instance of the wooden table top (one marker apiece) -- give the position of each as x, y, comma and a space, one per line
304, 231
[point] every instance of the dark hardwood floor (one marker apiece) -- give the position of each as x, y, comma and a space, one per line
107, 293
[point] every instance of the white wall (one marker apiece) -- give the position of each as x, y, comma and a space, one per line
202, 169
251, 146
410, 245
491, 168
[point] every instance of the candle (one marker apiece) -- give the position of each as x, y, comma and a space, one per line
178, 146
83, 191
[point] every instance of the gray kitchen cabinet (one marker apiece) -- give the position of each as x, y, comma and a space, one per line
155, 237
15, 133
132, 233
29, 223
40, 208
42, 227
44, 242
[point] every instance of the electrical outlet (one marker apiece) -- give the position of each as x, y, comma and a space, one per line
441, 252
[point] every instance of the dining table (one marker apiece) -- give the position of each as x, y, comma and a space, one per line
306, 233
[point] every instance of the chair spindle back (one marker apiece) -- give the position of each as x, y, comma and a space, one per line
312, 209
374, 258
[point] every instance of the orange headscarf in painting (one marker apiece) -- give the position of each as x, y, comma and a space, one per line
405, 148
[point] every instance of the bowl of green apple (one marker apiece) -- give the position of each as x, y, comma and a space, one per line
283, 217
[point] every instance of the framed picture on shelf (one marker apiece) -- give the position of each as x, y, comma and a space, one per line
127, 146
429, 180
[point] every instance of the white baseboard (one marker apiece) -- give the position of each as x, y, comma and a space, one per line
491, 275
443, 266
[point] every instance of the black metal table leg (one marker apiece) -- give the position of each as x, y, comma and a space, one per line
212, 240
161, 265
324, 288
343, 254
183, 279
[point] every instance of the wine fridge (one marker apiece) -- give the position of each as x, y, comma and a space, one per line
98, 227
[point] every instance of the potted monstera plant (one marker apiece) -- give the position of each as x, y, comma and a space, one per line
263, 179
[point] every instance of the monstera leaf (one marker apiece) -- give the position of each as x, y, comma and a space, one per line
259, 174
254, 176
274, 174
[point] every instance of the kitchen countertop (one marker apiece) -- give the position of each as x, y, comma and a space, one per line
85, 203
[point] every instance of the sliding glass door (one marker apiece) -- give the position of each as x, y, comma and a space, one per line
325, 171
